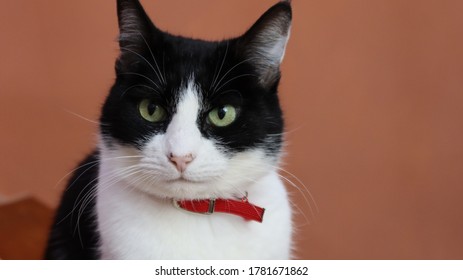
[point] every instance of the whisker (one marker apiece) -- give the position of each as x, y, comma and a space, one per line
125, 174
229, 90
152, 55
85, 201
303, 185
300, 212
139, 85
231, 69
220, 69
302, 189
294, 206
80, 175
94, 162
80, 116
141, 75
77, 201
164, 68
144, 59
301, 192
232, 79
89, 196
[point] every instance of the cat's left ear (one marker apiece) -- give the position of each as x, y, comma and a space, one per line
265, 42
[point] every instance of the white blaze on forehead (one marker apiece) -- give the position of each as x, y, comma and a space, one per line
183, 136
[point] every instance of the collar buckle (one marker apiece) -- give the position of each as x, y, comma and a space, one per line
210, 210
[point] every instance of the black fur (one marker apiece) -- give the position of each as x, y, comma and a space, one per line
157, 65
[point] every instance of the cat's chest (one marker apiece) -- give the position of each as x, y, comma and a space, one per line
134, 226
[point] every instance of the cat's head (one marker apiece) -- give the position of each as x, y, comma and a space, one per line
189, 118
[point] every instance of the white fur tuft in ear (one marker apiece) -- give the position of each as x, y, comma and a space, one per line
265, 42
271, 46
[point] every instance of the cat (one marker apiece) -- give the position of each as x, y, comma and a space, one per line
188, 125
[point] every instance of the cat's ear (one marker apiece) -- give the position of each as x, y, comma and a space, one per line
136, 30
134, 23
265, 42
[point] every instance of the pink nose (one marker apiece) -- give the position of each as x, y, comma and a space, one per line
181, 162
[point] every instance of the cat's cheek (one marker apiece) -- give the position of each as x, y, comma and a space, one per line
248, 166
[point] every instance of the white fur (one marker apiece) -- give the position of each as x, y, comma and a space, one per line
183, 136
137, 220
275, 45
268, 51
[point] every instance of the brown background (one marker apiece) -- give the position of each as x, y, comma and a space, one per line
372, 91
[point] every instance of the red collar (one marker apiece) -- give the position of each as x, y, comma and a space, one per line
240, 208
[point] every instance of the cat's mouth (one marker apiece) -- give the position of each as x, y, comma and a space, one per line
181, 180
184, 179
190, 178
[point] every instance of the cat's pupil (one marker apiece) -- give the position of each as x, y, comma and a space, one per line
222, 112
152, 108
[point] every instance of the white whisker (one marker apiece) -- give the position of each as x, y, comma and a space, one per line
139, 85
93, 163
144, 59
220, 69
228, 72
234, 78
115, 176
143, 76
81, 117
155, 62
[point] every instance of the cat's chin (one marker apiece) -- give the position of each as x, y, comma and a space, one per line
184, 189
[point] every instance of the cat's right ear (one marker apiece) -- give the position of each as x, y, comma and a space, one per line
136, 31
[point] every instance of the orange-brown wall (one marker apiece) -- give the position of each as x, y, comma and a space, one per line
372, 92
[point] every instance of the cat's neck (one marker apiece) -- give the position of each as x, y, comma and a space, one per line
134, 225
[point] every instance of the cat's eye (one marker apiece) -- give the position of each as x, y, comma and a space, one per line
222, 116
151, 111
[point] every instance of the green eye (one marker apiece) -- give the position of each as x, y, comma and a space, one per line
151, 111
222, 116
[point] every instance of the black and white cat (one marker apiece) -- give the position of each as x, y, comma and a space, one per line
188, 124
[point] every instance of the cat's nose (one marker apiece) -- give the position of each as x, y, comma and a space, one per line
181, 162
